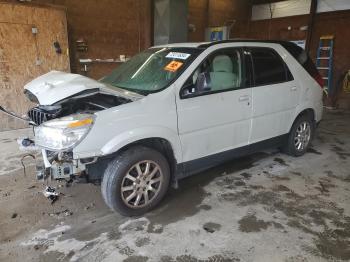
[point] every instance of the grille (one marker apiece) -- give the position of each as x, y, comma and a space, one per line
39, 115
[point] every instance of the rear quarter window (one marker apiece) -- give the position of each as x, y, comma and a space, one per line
302, 57
268, 67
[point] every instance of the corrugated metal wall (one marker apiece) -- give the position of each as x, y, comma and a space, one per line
170, 21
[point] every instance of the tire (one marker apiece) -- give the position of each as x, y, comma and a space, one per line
298, 145
127, 184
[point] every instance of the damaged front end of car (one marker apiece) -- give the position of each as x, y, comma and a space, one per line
57, 138
63, 116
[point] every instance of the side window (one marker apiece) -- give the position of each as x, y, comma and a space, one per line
220, 71
269, 68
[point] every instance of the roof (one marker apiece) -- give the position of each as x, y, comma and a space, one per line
281, 42
190, 44
208, 44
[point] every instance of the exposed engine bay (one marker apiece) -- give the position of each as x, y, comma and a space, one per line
88, 104
70, 100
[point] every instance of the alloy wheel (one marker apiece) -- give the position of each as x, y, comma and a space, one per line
141, 184
302, 136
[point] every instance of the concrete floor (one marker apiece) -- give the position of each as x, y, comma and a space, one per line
265, 207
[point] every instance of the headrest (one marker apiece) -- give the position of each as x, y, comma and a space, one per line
222, 63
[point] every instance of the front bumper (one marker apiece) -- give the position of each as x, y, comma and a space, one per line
65, 165
57, 167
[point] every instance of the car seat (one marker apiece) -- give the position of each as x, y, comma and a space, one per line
221, 75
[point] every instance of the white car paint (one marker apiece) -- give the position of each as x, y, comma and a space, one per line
195, 127
213, 123
274, 105
55, 86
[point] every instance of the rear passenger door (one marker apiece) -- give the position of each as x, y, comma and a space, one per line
274, 94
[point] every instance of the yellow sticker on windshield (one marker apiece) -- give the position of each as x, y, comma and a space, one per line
173, 66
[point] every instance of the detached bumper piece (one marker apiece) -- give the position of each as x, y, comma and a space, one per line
66, 170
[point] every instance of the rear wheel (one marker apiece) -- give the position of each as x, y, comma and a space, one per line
300, 136
135, 181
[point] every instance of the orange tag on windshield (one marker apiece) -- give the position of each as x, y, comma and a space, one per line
173, 66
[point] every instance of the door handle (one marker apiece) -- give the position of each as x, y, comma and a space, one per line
243, 98
294, 88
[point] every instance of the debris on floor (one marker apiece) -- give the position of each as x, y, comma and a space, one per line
91, 205
26, 144
211, 227
61, 214
51, 194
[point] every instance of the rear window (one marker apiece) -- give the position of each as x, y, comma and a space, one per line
268, 66
302, 57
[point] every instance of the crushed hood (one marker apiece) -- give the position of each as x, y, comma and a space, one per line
56, 86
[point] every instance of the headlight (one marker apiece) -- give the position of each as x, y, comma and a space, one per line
63, 133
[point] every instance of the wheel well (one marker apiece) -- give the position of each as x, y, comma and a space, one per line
161, 145
310, 112
96, 170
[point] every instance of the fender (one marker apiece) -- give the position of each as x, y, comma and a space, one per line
135, 135
300, 109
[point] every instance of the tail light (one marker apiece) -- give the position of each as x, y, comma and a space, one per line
319, 80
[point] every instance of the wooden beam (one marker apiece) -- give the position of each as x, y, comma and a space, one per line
313, 10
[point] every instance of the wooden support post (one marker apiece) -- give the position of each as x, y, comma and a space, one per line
313, 10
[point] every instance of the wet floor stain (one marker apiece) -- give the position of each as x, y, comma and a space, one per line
342, 154
204, 207
251, 223
313, 151
336, 148
136, 259
281, 188
338, 141
324, 185
140, 242
333, 244
189, 258
256, 187
281, 178
240, 183
186, 200
211, 227
246, 175
296, 173
303, 212
280, 161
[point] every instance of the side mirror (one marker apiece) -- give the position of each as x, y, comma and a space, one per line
203, 83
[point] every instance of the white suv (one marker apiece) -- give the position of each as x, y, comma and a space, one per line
172, 111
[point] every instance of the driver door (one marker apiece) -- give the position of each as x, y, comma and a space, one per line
214, 110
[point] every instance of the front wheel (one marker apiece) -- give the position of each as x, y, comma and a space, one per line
300, 136
135, 181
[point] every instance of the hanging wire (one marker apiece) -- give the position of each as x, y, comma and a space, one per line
24, 167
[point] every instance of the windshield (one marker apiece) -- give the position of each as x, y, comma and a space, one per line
152, 70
